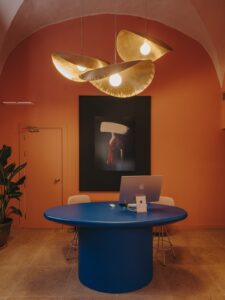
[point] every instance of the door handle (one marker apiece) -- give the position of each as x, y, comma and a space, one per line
56, 180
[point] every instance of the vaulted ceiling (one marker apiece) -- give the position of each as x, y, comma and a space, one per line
202, 20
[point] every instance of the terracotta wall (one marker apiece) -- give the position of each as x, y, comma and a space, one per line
187, 143
223, 104
223, 114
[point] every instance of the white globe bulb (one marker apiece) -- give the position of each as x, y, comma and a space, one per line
145, 48
81, 68
115, 80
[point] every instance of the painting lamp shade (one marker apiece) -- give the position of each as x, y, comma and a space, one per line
113, 127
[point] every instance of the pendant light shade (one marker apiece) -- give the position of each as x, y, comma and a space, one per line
131, 78
122, 80
135, 46
72, 66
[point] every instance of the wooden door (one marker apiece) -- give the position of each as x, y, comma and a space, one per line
42, 150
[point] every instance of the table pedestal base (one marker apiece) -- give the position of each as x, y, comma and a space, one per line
115, 260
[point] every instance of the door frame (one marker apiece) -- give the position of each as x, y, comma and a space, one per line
22, 129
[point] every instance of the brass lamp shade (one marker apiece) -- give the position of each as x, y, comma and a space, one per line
129, 43
135, 75
72, 66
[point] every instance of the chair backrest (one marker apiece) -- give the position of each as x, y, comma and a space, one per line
78, 199
166, 201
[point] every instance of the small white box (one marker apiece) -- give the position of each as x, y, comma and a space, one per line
141, 204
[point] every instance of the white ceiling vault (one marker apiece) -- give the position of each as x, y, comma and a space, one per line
202, 20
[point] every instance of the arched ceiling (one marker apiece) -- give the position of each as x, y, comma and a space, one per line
202, 20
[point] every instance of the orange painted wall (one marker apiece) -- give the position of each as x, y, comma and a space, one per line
223, 104
187, 143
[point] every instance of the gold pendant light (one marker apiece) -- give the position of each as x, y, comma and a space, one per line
72, 66
135, 46
122, 80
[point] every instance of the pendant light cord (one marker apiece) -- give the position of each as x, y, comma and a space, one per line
146, 14
82, 28
115, 29
81, 35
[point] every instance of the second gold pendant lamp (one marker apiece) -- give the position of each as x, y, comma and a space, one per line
122, 80
72, 66
134, 46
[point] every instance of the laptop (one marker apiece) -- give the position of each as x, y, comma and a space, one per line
143, 185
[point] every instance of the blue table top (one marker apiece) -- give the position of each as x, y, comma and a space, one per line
101, 214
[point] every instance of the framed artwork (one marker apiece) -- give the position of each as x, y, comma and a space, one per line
114, 137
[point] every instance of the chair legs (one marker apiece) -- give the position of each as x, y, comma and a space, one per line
72, 245
163, 242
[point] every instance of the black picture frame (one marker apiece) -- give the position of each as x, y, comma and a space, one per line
95, 174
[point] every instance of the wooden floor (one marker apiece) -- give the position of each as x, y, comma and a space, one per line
33, 266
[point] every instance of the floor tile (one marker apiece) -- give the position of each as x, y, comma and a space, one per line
190, 281
43, 282
9, 279
33, 266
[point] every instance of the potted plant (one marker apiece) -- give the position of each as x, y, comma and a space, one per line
9, 189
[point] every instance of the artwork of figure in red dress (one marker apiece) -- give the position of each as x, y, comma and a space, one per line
115, 144
115, 150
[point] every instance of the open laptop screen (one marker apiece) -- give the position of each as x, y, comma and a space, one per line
143, 185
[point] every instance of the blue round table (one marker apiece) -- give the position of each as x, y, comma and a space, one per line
115, 243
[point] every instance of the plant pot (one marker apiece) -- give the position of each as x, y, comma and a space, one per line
4, 231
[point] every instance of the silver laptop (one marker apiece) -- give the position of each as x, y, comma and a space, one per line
143, 185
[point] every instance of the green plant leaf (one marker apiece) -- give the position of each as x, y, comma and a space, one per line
9, 169
12, 187
17, 170
16, 195
5, 153
9, 189
2, 178
21, 180
15, 210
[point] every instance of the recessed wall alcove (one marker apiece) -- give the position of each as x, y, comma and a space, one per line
187, 143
